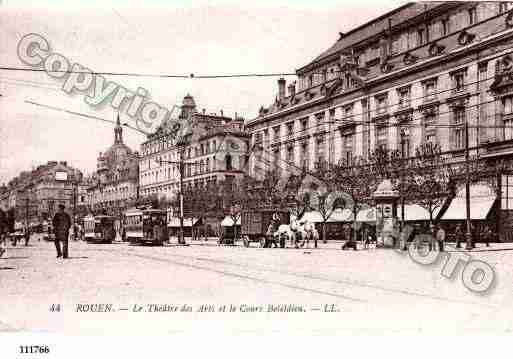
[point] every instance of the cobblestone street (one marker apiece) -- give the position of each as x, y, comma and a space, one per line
370, 290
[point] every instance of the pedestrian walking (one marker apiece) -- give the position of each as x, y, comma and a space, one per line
458, 235
61, 225
440, 238
487, 235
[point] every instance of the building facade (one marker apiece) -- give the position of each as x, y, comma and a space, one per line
214, 149
35, 195
114, 186
417, 74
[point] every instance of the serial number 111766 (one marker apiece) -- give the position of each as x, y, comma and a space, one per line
34, 349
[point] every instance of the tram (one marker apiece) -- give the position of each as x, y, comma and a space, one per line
146, 226
99, 229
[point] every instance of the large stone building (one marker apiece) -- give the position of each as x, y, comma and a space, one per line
414, 75
114, 186
36, 194
215, 149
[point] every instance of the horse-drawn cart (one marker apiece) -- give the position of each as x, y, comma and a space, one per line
255, 226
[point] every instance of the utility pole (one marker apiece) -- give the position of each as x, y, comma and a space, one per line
75, 185
181, 166
468, 235
181, 169
404, 133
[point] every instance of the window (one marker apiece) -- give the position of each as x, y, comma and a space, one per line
319, 117
290, 154
508, 117
382, 137
503, 6
508, 105
276, 133
430, 90
320, 149
458, 81
404, 142
228, 160
347, 149
304, 156
310, 80
381, 104
348, 113
258, 138
304, 124
482, 70
290, 128
421, 37
458, 122
507, 192
404, 95
472, 16
445, 27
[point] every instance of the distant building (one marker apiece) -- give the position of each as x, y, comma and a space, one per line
215, 149
114, 185
36, 194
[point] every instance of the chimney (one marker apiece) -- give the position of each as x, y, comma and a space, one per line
281, 88
292, 89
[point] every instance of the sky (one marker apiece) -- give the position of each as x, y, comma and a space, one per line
163, 37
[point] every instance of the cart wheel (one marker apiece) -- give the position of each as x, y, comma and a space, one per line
262, 242
245, 241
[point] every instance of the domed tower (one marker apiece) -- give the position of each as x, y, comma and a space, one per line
188, 107
118, 132
102, 167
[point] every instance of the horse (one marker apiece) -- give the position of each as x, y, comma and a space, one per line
284, 230
304, 231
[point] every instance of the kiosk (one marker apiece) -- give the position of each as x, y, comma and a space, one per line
386, 198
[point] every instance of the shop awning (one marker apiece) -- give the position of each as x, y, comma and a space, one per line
479, 208
338, 215
482, 198
228, 221
415, 212
341, 215
187, 222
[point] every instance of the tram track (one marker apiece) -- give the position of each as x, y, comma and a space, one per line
347, 282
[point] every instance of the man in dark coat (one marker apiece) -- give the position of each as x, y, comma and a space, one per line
61, 225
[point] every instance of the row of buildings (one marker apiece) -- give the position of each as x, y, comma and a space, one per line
415, 75
35, 195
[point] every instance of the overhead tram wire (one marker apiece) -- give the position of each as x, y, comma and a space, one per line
135, 74
183, 76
